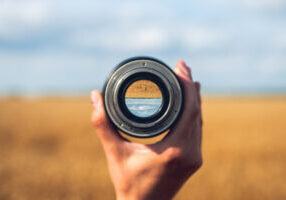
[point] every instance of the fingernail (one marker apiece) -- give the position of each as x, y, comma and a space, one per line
94, 98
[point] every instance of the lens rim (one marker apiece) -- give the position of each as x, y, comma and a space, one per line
112, 92
143, 76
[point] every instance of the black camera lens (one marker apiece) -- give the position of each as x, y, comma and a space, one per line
143, 97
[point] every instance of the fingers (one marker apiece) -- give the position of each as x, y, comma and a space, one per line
107, 134
191, 94
183, 71
191, 108
198, 88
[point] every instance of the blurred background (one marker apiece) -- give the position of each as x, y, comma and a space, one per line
53, 53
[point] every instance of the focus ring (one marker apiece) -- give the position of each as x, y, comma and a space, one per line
163, 76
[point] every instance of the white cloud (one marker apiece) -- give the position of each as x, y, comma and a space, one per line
224, 39
137, 38
264, 4
272, 65
280, 40
25, 11
49, 69
147, 38
202, 38
19, 17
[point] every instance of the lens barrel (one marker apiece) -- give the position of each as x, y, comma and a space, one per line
130, 114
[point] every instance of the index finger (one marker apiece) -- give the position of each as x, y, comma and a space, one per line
109, 137
191, 107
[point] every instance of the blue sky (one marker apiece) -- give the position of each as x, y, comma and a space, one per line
66, 46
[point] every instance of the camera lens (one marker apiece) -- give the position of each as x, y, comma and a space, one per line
143, 97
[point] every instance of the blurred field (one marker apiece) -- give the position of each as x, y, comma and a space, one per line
143, 89
48, 150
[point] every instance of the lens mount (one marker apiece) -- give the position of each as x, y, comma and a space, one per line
130, 71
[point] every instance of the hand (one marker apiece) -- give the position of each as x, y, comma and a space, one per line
156, 171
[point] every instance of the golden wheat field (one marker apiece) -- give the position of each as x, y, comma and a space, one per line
143, 89
49, 150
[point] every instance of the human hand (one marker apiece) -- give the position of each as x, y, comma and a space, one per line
154, 171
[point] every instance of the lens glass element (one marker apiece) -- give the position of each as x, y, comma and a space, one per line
143, 98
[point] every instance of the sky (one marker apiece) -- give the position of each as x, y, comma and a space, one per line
70, 47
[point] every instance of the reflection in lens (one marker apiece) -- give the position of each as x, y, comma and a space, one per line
143, 98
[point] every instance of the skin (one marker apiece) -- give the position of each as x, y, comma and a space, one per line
156, 171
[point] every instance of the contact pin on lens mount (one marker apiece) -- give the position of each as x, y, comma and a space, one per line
143, 97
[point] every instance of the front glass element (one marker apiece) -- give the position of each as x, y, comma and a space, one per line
143, 98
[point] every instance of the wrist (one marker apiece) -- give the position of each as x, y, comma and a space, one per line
140, 196
127, 195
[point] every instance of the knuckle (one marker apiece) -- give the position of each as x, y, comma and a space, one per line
175, 157
172, 155
194, 165
97, 119
198, 164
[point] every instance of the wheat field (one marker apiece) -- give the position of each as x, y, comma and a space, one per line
49, 150
143, 89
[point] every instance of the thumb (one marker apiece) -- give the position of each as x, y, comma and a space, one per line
107, 134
